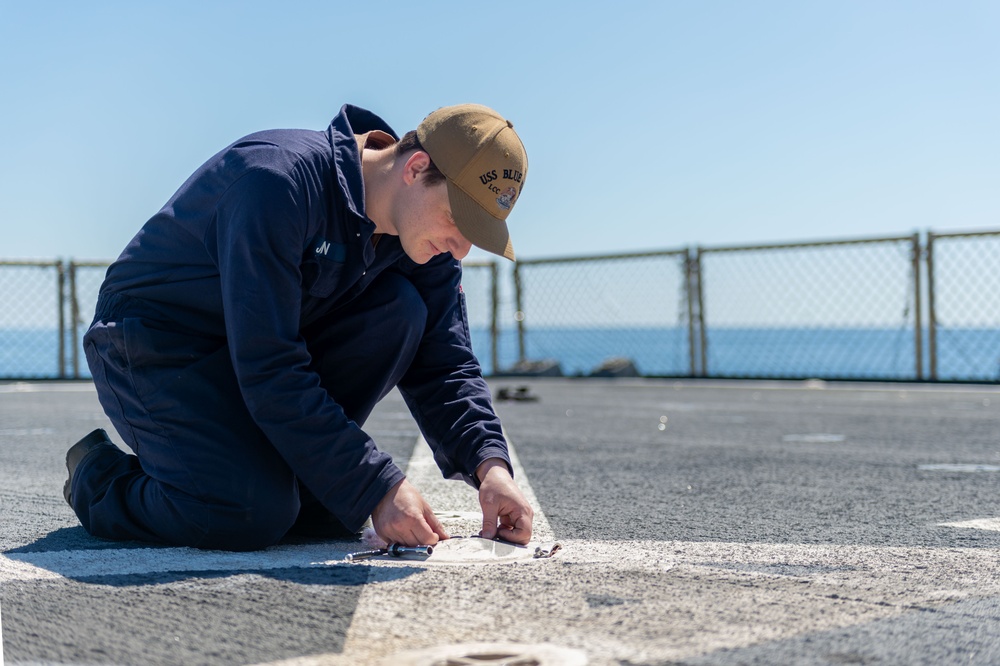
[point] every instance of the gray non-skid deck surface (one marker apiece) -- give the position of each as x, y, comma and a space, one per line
702, 523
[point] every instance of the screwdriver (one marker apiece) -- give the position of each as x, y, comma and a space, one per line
396, 550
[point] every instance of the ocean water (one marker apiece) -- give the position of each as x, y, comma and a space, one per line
833, 353
30, 353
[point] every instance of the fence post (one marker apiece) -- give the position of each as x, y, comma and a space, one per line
519, 316
689, 283
494, 317
74, 313
918, 338
61, 304
701, 313
931, 310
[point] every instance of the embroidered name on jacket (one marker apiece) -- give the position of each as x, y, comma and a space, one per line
329, 250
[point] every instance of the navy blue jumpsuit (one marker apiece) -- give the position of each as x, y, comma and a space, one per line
244, 336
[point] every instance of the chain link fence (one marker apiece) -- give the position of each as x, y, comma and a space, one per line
46, 307
964, 305
480, 283
84, 280
586, 312
888, 308
32, 325
841, 310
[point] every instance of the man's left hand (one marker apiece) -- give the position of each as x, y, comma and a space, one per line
506, 512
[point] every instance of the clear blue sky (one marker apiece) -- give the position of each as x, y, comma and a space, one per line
648, 125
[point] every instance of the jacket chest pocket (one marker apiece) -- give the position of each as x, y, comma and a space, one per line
323, 267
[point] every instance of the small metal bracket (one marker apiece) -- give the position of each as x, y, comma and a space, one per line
547, 550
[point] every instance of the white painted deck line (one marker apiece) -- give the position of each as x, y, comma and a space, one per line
134, 561
968, 468
45, 387
843, 585
455, 500
1, 636
992, 524
814, 438
457, 506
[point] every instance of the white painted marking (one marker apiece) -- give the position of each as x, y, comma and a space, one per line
868, 582
793, 386
132, 561
475, 550
47, 387
25, 432
453, 516
455, 500
991, 524
814, 438
681, 406
1, 635
970, 468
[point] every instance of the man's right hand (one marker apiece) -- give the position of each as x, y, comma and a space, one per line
404, 517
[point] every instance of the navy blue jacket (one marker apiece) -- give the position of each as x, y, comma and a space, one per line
260, 241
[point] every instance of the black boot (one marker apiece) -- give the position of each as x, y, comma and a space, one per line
79, 451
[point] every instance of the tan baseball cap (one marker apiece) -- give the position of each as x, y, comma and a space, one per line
485, 165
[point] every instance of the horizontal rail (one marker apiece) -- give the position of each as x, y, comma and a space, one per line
603, 257
90, 264
805, 244
963, 234
29, 263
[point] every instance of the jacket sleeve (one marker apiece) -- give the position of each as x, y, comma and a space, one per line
258, 231
444, 387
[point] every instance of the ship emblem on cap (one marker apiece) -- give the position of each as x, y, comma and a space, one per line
506, 200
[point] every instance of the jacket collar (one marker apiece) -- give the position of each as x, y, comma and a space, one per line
342, 133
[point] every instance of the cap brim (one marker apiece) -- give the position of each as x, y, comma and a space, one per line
479, 227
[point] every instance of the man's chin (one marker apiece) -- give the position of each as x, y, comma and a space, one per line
420, 258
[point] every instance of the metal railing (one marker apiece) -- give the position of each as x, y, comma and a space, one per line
84, 279
873, 308
28, 320
964, 305
864, 308
481, 283
32, 318
844, 309
581, 310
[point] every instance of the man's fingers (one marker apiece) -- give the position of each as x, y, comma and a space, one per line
427, 535
500, 498
515, 536
404, 517
435, 524
424, 529
489, 521
515, 525
516, 531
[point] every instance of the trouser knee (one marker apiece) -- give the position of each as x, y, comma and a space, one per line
248, 528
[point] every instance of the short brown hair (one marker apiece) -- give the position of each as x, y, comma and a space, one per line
410, 143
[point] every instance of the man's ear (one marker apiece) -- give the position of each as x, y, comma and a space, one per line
415, 164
